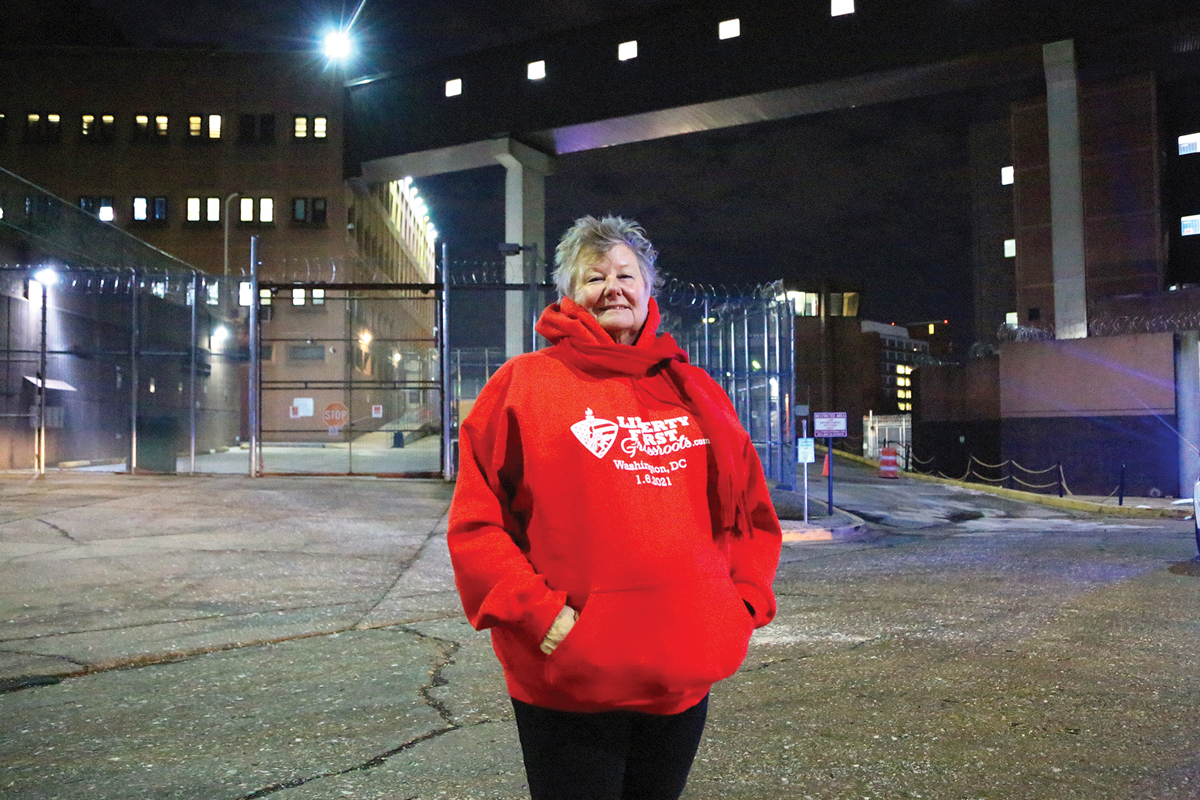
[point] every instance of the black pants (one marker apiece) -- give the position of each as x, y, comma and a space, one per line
611, 755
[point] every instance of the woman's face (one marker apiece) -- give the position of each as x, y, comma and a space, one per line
614, 292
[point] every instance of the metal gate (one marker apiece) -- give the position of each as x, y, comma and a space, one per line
348, 379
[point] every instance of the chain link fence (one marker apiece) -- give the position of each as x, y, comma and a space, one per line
114, 354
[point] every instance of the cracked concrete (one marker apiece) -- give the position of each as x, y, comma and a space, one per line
300, 639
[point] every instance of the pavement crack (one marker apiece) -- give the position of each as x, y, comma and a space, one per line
370, 764
446, 649
63, 532
404, 567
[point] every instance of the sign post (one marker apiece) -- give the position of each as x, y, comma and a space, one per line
806, 453
829, 424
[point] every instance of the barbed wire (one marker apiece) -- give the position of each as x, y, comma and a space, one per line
1118, 325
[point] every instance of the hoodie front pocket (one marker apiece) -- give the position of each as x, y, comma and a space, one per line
638, 644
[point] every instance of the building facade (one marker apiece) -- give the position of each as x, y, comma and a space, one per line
196, 151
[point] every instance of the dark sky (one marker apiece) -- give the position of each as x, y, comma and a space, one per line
876, 198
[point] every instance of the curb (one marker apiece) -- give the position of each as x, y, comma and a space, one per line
1069, 503
811, 533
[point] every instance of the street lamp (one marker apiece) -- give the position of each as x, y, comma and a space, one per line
338, 45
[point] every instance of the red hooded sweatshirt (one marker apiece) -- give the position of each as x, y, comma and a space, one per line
615, 479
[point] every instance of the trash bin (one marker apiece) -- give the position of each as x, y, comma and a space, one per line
397, 438
156, 443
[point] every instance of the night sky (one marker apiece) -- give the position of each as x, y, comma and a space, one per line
875, 198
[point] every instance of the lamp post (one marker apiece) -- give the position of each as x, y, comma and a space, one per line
45, 278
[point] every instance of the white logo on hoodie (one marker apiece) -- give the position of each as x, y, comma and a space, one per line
597, 435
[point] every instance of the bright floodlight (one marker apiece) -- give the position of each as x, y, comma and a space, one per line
338, 45
46, 276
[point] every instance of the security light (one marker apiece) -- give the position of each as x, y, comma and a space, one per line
338, 45
46, 276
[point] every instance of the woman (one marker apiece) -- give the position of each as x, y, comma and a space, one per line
612, 527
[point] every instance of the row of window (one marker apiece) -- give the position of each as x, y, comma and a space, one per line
627, 51
150, 209
48, 128
1189, 225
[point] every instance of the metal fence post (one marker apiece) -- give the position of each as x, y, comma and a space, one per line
195, 344
40, 440
443, 357
255, 379
134, 346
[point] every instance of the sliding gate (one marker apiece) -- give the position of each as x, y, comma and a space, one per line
347, 380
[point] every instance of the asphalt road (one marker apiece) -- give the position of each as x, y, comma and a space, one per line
301, 640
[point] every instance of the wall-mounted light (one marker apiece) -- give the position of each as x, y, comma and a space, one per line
46, 276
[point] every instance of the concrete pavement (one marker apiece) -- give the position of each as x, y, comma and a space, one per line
217, 637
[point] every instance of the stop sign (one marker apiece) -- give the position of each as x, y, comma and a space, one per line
336, 415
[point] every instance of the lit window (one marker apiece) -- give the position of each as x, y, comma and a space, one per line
729, 29
1010, 319
536, 70
150, 209
264, 206
160, 125
454, 87
213, 209
264, 297
627, 50
931, 329
840, 7
1007, 176
193, 209
297, 297
94, 128
1010, 248
318, 297
102, 207
43, 127
201, 127
1191, 225
310, 127
244, 294
1189, 144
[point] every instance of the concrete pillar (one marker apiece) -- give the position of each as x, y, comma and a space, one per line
524, 224
1066, 190
1187, 408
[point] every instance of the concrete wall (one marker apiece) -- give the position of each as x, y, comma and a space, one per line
1101, 376
1093, 405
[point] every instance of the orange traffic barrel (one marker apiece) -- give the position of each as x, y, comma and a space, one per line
887, 463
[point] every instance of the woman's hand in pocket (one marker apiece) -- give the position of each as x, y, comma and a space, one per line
559, 629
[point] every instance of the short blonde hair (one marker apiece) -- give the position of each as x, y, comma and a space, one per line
589, 239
